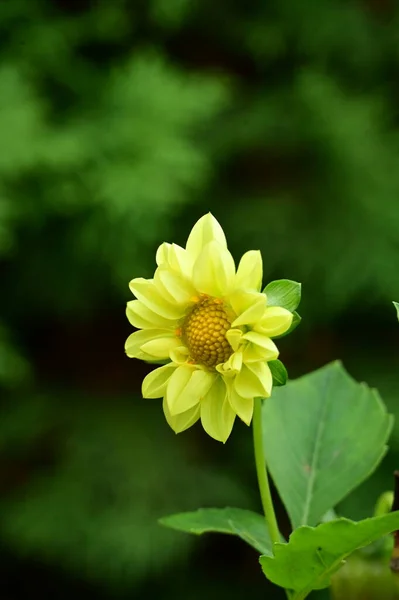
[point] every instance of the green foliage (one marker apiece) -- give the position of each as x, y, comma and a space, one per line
363, 578
312, 555
396, 305
324, 434
127, 151
95, 507
170, 13
279, 372
105, 133
249, 526
283, 293
14, 368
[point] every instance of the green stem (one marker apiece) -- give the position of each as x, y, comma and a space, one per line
261, 471
263, 480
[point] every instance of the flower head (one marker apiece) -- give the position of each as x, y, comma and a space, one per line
212, 325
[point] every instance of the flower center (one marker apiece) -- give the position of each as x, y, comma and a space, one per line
204, 332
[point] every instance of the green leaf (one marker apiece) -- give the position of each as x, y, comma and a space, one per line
279, 372
249, 526
396, 305
296, 319
283, 292
312, 555
324, 433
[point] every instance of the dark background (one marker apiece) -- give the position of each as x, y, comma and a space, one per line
121, 123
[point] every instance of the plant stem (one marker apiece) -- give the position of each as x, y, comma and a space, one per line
261, 471
263, 480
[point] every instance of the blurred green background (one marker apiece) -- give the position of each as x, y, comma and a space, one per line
121, 123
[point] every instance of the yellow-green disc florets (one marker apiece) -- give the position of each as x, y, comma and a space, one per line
204, 332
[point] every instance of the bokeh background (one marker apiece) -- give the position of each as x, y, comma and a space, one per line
121, 123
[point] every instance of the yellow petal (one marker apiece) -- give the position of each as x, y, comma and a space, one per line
135, 341
241, 300
262, 371
177, 400
179, 355
182, 421
253, 353
214, 270
162, 254
176, 258
146, 291
232, 365
177, 383
234, 336
275, 321
142, 317
254, 380
175, 286
250, 271
142, 356
161, 347
180, 260
243, 407
198, 386
162, 290
217, 416
250, 316
206, 229
270, 350
182, 396
154, 384
248, 306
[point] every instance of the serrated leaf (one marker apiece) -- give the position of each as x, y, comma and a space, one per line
279, 372
324, 433
296, 319
312, 555
249, 526
283, 292
396, 305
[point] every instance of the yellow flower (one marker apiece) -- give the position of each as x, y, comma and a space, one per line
213, 325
